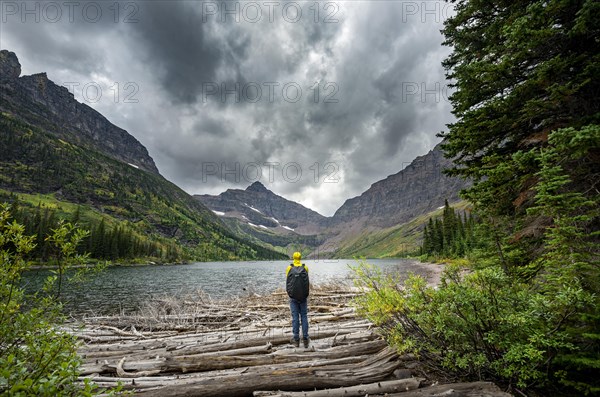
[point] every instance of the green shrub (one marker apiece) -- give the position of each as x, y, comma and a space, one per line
37, 358
480, 324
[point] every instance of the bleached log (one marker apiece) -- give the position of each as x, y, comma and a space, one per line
107, 367
303, 378
163, 341
278, 340
202, 362
119, 331
166, 346
473, 389
155, 381
121, 373
313, 308
355, 337
352, 391
328, 318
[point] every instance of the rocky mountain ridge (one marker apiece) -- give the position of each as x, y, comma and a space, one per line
260, 207
419, 189
41, 102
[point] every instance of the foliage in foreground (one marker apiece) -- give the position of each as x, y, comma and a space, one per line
37, 358
530, 324
526, 78
475, 325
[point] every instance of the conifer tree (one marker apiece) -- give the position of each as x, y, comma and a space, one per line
99, 250
526, 77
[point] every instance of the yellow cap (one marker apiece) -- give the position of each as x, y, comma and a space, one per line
297, 255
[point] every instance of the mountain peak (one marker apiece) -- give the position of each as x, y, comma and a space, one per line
10, 68
257, 187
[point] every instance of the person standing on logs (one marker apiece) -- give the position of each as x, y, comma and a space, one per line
297, 287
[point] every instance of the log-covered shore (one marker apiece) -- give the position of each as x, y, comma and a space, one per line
241, 347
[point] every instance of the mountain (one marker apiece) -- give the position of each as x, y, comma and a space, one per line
388, 217
418, 189
62, 159
258, 214
393, 241
260, 206
391, 211
38, 101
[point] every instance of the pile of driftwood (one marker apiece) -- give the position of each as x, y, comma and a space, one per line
199, 347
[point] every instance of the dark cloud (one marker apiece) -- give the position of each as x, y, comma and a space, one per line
372, 55
177, 47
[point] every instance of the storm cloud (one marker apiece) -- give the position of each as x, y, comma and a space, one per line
323, 98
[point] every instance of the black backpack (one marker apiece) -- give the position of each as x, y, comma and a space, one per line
297, 283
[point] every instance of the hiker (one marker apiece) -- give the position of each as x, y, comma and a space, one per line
297, 287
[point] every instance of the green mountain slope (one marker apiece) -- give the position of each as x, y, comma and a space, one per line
395, 241
34, 161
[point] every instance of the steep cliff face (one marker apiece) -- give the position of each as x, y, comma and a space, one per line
259, 206
38, 101
418, 189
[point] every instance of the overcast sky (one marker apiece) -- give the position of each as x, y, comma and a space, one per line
317, 100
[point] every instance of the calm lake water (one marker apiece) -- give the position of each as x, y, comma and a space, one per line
122, 288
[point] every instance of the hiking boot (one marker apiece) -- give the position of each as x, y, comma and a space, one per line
295, 342
306, 342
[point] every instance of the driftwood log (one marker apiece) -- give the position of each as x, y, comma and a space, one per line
399, 388
401, 385
199, 347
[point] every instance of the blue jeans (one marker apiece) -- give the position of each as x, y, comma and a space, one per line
299, 312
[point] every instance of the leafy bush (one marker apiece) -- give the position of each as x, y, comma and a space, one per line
480, 324
526, 311
37, 358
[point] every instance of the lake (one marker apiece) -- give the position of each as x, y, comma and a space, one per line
124, 288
